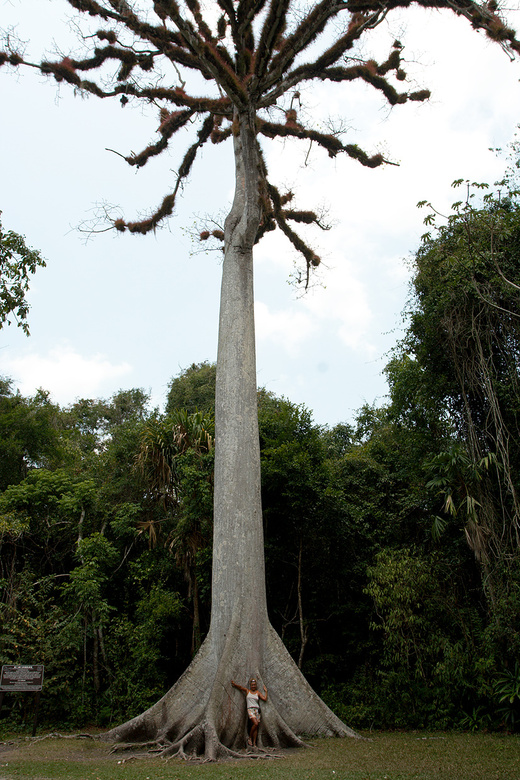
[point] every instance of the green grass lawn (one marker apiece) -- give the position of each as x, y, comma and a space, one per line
385, 756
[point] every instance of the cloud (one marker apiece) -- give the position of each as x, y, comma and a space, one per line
144, 290
65, 373
342, 305
289, 329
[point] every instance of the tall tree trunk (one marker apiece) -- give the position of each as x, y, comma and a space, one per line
202, 713
304, 629
195, 636
95, 656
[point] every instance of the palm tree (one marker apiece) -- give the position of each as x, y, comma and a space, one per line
174, 460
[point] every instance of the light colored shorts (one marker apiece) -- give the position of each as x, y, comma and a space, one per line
254, 712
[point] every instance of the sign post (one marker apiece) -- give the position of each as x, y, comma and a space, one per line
22, 679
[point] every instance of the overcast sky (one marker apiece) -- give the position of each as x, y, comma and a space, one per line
122, 311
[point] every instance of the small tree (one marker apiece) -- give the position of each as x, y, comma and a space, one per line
255, 56
17, 263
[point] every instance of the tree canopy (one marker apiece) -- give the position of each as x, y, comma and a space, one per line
201, 65
108, 584
466, 290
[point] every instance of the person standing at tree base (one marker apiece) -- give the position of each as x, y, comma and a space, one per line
253, 706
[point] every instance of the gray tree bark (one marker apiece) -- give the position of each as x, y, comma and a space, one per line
202, 714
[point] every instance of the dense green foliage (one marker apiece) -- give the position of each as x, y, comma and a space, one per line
393, 568
17, 263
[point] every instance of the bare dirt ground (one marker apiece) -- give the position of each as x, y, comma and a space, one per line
71, 749
79, 747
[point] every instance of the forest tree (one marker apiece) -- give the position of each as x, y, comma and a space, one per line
17, 263
255, 57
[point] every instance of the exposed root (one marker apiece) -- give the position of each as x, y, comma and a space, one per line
121, 746
257, 752
57, 735
200, 744
195, 736
223, 753
202, 718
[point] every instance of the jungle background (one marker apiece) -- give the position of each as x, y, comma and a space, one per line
391, 542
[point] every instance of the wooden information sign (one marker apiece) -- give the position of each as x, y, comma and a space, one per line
17, 678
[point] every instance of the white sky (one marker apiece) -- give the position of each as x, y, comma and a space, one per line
125, 311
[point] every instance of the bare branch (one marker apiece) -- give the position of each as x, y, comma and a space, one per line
171, 122
311, 258
272, 29
309, 28
168, 204
278, 83
329, 142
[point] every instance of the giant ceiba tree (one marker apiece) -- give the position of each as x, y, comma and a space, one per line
255, 56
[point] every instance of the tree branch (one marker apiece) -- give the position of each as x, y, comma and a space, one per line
329, 142
168, 204
272, 29
299, 244
359, 23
